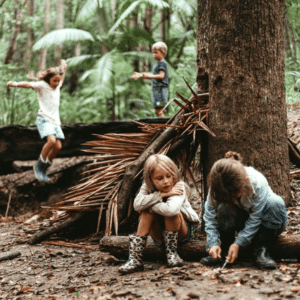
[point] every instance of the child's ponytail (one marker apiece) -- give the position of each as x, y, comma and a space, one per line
234, 155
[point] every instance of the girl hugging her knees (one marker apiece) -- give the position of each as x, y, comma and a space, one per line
48, 120
165, 213
241, 200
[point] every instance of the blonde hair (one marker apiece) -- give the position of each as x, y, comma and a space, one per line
227, 178
162, 47
163, 162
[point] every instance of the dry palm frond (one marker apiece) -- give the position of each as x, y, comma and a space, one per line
115, 152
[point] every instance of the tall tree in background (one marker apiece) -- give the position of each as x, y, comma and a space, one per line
18, 11
30, 35
245, 71
47, 26
59, 25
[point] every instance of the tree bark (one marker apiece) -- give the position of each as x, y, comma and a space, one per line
59, 25
30, 35
246, 86
47, 26
13, 42
203, 78
286, 247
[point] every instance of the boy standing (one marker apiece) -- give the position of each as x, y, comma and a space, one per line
160, 79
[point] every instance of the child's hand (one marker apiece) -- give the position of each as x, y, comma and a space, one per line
136, 75
11, 83
232, 253
215, 252
176, 190
64, 64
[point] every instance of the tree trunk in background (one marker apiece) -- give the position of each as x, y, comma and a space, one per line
13, 42
202, 76
47, 25
74, 75
59, 25
246, 86
30, 35
165, 19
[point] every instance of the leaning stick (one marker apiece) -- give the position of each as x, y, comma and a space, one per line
8, 204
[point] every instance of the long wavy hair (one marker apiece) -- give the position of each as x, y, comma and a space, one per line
49, 73
165, 163
228, 179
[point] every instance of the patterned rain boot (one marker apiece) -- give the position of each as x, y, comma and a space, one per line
38, 169
173, 258
136, 248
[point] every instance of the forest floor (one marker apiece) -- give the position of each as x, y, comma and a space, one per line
78, 270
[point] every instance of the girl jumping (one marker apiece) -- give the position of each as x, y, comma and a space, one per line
48, 120
240, 199
165, 213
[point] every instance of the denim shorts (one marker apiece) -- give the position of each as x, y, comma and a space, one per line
46, 127
189, 226
159, 96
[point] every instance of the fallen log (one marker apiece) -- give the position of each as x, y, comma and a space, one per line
294, 153
287, 247
42, 235
23, 143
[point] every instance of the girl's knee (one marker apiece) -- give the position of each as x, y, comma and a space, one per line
58, 145
51, 140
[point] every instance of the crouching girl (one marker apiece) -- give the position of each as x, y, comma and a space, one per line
165, 213
241, 200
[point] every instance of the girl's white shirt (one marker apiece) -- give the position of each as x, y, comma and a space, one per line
153, 201
49, 99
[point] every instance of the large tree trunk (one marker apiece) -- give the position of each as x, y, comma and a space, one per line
47, 25
202, 77
30, 35
246, 86
59, 25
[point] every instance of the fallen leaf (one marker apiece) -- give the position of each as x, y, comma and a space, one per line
72, 289
26, 289
283, 267
295, 288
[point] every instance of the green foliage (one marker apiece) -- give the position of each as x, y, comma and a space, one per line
17, 106
60, 36
113, 46
292, 75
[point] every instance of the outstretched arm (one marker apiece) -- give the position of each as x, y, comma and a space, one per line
22, 84
64, 69
160, 75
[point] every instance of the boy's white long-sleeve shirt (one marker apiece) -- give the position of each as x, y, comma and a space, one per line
172, 207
